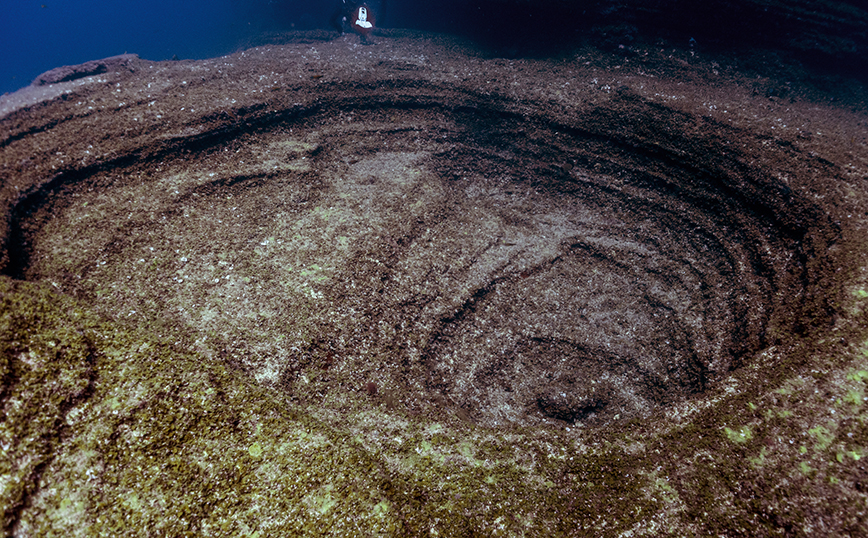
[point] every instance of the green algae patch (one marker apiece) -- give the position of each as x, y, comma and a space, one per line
114, 432
45, 376
334, 308
255, 450
797, 447
109, 440
739, 435
131, 435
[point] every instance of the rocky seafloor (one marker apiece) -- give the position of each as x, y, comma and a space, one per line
405, 289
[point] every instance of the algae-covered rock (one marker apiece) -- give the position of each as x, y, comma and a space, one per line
405, 290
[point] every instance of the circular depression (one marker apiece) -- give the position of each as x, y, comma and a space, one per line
508, 267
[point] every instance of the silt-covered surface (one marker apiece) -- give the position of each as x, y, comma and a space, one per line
404, 289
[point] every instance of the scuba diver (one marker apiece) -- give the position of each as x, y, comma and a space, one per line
356, 16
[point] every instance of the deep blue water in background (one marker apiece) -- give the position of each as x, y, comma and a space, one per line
38, 35
34, 39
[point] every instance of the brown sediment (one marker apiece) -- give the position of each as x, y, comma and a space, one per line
553, 246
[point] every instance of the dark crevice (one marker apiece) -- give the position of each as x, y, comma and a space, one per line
570, 412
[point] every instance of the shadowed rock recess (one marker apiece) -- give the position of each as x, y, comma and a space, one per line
402, 289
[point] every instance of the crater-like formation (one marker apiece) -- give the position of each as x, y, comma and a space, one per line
511, 259
401, 289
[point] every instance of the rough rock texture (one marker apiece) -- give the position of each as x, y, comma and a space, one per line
67, 73
832, 34
403, 290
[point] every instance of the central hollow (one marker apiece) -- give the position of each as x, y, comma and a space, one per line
510, 270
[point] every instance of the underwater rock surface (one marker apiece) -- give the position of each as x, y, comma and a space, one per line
403, 289
819, 31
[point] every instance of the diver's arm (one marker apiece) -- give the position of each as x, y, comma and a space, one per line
343, 12
335, 20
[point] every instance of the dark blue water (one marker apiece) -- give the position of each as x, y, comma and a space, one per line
37, 35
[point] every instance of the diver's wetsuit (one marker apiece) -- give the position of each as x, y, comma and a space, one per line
341, 19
